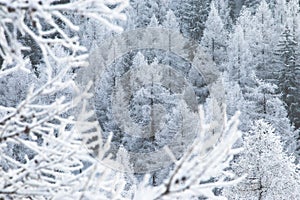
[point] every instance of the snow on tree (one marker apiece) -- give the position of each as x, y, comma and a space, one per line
15, 17
153, 22
12, 89
288, 74
171, 21
280, 14
214, 37
54, 164
90, 31
139, 60
245, 21
192, 15
224, 10
263, 40
46, 117
193, 172
271, 173
234, 96
145, 9
263, 102
292, 21
130, 23
252, 4
240, 58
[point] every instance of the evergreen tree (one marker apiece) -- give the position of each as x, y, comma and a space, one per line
145, 9
252, 4
192, 15
289, 72
292, 12
293, 20
143, 12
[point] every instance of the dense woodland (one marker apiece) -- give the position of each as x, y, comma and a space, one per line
66, 135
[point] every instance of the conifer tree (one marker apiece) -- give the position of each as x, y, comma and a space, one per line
192, 15
240, 58
224, 10
263, 102
271, 173
153, 22
262, 41
289, 72
171, 21
214, 37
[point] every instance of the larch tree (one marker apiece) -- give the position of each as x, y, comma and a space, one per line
171, 21
214, 40
271, 174
263, 40
280, 14
245, 21
240, 58
153, 22
224, 10
52, 140
234, 96
263, 102
200, 171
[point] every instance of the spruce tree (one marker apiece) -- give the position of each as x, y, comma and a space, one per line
289, 71
192, 15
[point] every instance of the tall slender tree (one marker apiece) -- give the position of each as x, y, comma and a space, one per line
224, 10
289, 71
263, 40
240, 58
214, 40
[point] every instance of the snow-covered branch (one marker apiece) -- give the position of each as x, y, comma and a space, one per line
42, 155
203, 168
46, 23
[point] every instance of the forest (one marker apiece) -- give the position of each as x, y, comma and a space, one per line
150, 99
